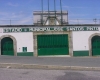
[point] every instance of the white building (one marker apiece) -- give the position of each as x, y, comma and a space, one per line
50, 40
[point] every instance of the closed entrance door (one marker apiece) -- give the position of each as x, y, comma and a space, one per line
7, 46
53, 44
96, 45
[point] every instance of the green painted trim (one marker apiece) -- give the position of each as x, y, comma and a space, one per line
25, 54
80, 53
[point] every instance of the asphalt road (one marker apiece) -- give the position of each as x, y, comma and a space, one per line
63, 61
35, 74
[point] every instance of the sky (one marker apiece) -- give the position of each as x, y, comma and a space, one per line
21, 11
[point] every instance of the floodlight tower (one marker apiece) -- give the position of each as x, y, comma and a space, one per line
50, 17
61, 12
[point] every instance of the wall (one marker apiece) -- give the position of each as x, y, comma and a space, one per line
80, 37
81, 42
23, 40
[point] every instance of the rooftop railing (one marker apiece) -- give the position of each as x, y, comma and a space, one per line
30, 22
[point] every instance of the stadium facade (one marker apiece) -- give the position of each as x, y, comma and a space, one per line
51, 35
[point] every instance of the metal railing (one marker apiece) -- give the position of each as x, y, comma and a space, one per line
70, 21
16, 22
84, 21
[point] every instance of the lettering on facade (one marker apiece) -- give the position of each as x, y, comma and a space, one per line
11, 30
92, 28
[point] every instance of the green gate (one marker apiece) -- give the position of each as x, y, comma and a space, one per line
96, 45
53, 44
7, 46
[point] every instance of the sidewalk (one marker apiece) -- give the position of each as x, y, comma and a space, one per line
76, 63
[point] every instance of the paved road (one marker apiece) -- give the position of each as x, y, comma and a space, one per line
35, 74
63, 61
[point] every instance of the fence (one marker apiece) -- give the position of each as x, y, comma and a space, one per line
16, 22
71, 21
84, 21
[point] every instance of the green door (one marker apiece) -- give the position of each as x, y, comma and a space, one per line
53, 44
96, 45
7, 46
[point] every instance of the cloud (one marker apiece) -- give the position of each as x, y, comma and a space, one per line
18, 18
78, 15
23, 21
3, 13
83, 21
11, 4
74, 7
97, 15
9, 15
26, 20
17, 15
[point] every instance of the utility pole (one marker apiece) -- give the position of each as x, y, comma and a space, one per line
42, 12
55, 10
61, 12
48, 12
95, 20
10, 21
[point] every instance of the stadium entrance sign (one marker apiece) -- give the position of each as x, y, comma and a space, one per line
31, 29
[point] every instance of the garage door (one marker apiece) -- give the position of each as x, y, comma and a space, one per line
52, 44
96, 45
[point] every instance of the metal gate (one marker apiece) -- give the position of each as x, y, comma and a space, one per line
7, 46
53, 44
96, 45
